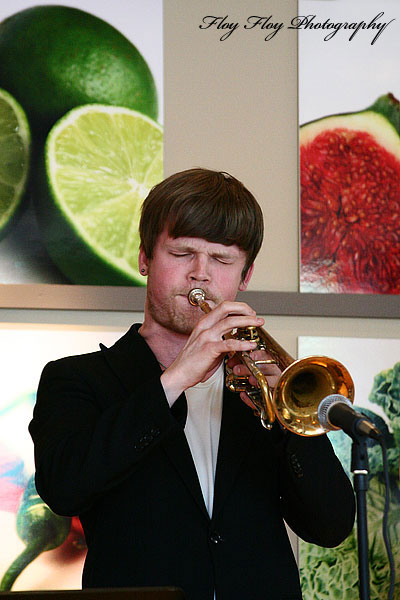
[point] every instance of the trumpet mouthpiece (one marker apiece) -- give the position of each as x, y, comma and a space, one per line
196, 296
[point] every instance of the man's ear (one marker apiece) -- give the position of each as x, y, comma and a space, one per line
245, 281
143, 262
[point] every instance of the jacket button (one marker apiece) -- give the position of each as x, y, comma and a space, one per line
296, 466
216, 538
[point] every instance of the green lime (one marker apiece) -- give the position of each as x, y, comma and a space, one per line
54, 58
100, 163
14, 159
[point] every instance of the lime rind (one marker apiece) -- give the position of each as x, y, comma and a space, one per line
58, 57
101, 162
15, 141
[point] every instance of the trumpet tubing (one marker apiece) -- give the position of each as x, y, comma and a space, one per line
301, 387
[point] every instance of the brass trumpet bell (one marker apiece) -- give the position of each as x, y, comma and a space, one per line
301, 387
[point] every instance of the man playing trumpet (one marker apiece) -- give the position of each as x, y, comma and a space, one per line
174, 479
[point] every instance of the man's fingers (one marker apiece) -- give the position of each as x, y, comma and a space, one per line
271, 370
226, 325
244, 397
231, 345
231, 310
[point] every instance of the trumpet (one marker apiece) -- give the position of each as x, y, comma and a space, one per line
300, 389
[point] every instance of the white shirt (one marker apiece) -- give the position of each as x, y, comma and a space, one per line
202, 430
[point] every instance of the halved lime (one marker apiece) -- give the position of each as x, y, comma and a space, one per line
14, 159
100, 163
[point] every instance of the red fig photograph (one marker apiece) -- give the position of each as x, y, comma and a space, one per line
350, 200
349, 149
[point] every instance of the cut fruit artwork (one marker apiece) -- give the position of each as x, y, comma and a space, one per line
14, 159
350, 201
57, 57
92, 148
100, 163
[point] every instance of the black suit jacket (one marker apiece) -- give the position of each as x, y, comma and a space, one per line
109, 448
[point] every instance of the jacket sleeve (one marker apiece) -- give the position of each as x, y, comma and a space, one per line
86, 443
317, 497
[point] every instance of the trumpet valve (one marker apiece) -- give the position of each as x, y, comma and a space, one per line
248, 333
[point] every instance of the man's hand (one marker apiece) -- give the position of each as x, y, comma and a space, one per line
270, 370
206, 347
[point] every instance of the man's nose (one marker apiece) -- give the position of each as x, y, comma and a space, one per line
199, 270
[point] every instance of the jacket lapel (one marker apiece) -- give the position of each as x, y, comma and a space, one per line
132, 361
236, 439
179, 453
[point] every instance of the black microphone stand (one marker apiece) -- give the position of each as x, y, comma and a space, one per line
360, 470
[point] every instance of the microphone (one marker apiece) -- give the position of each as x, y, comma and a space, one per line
336, 412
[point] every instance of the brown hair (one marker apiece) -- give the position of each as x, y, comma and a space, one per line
206, 204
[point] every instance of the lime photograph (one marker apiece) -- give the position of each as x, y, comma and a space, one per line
81, 129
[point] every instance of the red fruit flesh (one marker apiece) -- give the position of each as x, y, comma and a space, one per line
350, 214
